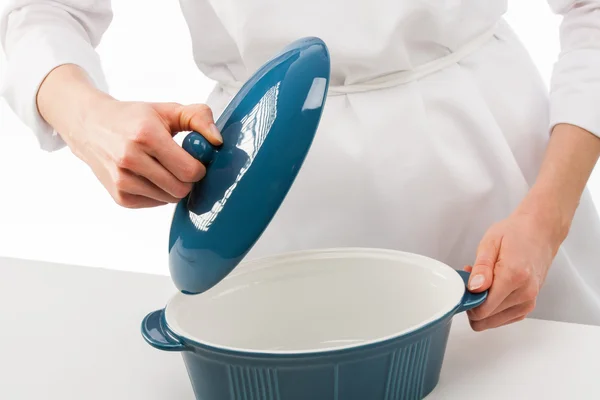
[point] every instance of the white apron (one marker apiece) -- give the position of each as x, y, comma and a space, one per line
434, 129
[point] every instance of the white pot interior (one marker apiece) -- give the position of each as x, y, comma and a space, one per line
318, 301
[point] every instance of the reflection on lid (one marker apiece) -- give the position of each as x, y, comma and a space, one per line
316, 94
255, 128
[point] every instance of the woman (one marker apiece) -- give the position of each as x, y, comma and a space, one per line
438, 136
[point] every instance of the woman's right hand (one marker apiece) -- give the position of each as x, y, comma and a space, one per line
128, 145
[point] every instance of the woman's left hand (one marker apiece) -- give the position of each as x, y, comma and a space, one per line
512, 261
515, 254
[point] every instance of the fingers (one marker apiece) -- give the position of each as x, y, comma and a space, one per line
497, 294
177, 161
511, 314
131, 184
195, 117
154, 140
120, 190
510, 299
144, 165
512, 321
482, 273
133, 201
488, 269
524, 294
168, 153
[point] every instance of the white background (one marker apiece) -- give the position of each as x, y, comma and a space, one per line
51, 205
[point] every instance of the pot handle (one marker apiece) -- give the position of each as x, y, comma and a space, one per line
470, 300
155, 333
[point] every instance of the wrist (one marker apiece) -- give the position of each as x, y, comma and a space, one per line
544, 207
66, 98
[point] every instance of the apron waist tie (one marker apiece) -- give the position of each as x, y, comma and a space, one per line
400, 77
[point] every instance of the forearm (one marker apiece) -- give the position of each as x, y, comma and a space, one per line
64, 97
40, 36
570, 158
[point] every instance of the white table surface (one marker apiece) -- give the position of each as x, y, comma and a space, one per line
69, 332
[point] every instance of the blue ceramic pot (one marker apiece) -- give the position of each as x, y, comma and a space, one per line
338, 324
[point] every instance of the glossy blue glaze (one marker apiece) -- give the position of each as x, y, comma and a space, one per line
267, 131
155, 333
403, 368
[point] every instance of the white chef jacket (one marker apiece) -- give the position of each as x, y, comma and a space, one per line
435, 127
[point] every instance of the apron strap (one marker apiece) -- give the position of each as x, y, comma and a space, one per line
419, 72
400, 77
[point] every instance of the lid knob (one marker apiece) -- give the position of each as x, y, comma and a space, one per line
199, 148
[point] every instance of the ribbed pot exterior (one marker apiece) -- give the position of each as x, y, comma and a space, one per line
407, 368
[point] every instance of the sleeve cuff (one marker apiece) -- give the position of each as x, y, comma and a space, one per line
576, 110
37, 54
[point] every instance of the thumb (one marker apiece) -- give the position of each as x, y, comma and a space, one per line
482, 272
194, 117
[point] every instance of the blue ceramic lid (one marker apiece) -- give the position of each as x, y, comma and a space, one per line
267, 129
